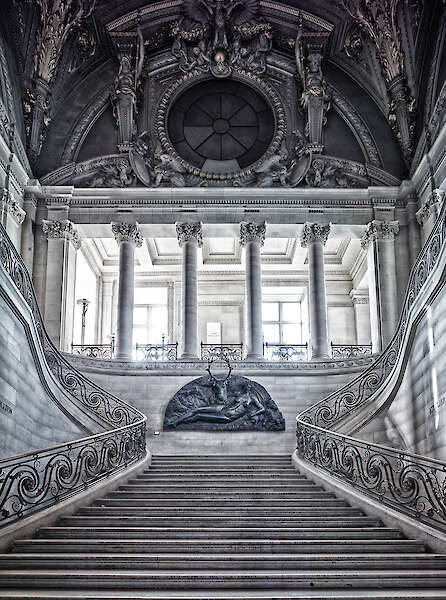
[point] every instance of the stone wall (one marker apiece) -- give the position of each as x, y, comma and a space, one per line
150, 393
29, 418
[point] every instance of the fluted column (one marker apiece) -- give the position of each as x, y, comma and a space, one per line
314, 238
379, 243
63, 242
27, 242
189, 239
252, 238
127, 236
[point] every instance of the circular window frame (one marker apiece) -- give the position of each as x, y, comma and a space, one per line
263, 88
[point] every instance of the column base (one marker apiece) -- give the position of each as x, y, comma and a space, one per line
254, 358
188, 357
123, 358
320, 357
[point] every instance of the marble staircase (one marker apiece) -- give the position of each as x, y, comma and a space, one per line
229, 527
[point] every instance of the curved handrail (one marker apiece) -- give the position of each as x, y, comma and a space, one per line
412, 484
36, 480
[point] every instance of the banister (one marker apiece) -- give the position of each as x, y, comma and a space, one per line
413, 485
36, 480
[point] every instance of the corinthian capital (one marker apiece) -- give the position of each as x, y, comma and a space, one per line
379, 230
252, 232
11, 206
61, 230
314, 232
127, 232
189, 231
431, 206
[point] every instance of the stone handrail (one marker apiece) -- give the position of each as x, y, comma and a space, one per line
414, 485
36, 480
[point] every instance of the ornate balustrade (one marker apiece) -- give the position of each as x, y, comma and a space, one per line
290, 352
221, 351
413, 485
34, 481
350, 350
157, 352
105, 351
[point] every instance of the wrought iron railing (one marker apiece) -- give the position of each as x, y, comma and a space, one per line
414, 485
157, 352
350, 350
290, 352
221, 351
33, 481
105, 351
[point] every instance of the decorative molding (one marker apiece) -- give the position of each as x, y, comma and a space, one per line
61, 230
359, 297
431, 206
10, 205
379, 230
187, 232
314, 232
127, 232
252, 232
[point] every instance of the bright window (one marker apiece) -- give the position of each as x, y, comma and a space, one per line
85, 287
282, 322
150, 316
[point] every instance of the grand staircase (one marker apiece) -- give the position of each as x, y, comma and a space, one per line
221, 527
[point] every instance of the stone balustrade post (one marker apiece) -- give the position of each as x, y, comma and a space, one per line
190, 239
62, 243
379, 243
127, 236
252, 238
314, 238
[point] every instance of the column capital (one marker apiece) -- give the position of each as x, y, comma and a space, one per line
127, 232
11, 206
189, 231
359, 297
252, 232
314, 232
379, 230
61, 230
431, 206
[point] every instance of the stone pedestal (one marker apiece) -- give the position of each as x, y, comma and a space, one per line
314, 238
63, 242
189, 239
252, 238
378, 242
127, 236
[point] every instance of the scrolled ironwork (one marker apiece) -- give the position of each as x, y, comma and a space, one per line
221, 351
104, 351
411, 484
289, 352
34, 481
350, 350
157, 352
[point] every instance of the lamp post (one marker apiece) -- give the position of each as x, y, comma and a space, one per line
84, 303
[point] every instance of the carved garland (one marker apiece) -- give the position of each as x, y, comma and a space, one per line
196, 76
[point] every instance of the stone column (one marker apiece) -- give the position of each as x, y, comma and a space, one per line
414, 232
378, 241
127, 236
252, 238
171, 311
428, 213
189, 239
27, 245
40, 260
107, 310
63, 242
360, 299
314, 238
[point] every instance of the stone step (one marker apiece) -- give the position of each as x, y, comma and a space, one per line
208, 579
248, 458
195, 478
228, 511
276, 470
207, 522
204, 486
238, 546
221, 561
215, 533
222, 494
222, 502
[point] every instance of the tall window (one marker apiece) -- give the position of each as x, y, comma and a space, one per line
282, 322
85, 287
150, 315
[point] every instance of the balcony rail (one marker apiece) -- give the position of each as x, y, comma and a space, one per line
411, 484
34, 481
157, 352
350, 350
221, 351
291, 352
105, 351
